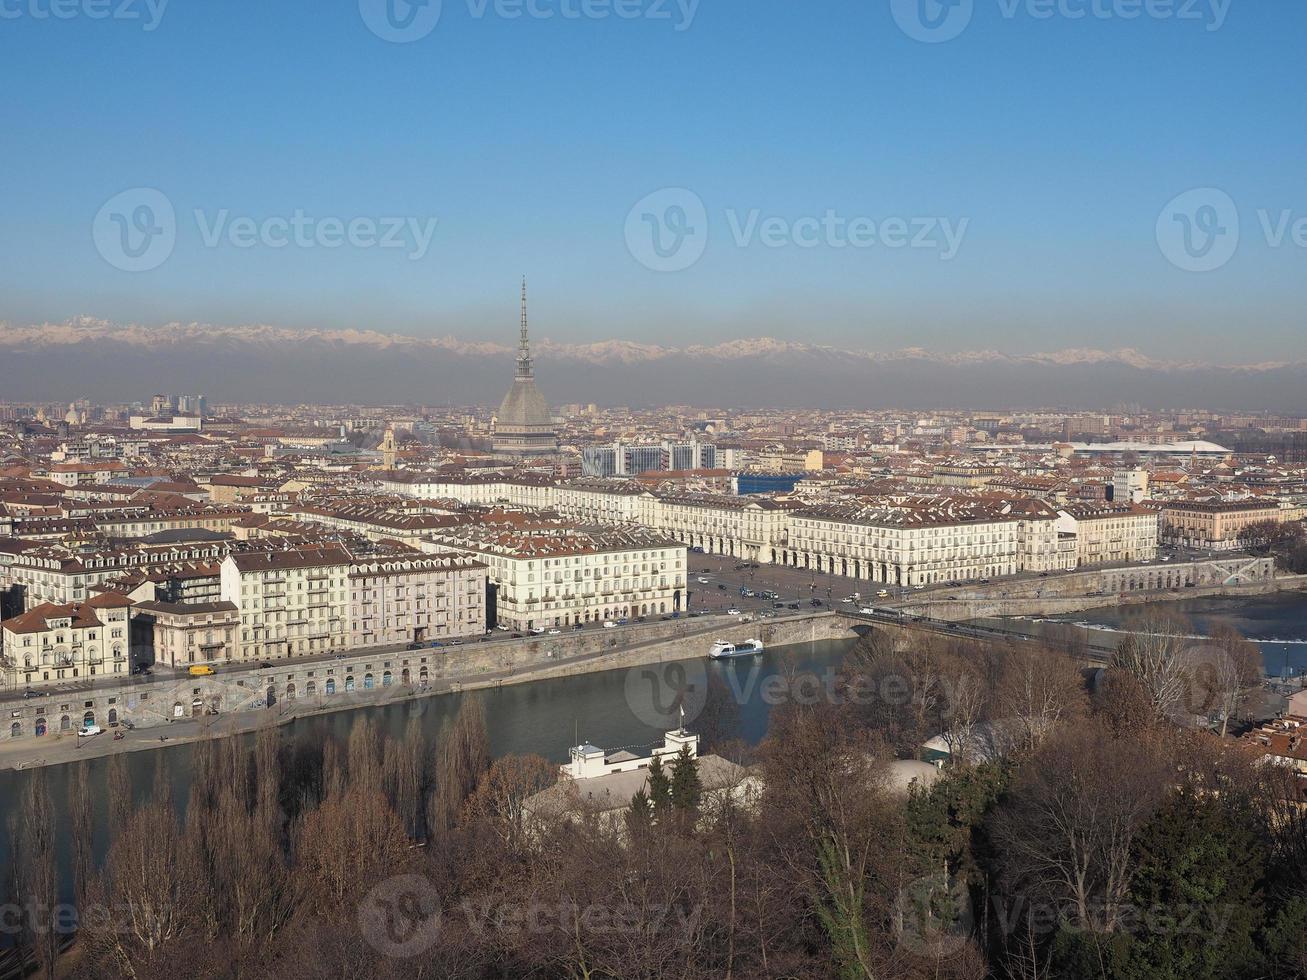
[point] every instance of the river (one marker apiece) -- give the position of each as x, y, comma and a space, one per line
611, 709
1277, 623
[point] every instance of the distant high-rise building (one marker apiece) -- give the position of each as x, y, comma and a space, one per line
523, 425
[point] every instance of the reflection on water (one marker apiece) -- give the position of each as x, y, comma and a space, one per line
546, 717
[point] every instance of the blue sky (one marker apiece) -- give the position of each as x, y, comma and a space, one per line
1058, 141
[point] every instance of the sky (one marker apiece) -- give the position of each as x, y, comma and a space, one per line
995, 174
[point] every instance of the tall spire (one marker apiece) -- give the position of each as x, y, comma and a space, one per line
523, 345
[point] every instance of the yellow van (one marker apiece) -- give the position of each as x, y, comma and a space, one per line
201, 670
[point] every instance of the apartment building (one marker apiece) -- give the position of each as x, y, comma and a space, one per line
416, 600
1215, 525
292, 601
185, 634
549, 574
1106, 533
54, 642
915, 542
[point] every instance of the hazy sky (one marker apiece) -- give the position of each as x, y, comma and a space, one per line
1048, 146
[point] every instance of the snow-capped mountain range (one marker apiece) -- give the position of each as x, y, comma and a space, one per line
113, 361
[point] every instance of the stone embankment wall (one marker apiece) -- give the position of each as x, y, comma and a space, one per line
289, 688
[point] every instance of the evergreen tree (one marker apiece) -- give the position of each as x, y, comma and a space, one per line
639, 815
686, 787
660, 787
1197, 891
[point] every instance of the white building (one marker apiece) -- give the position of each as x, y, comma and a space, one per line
292, 602
52, 643
552, 574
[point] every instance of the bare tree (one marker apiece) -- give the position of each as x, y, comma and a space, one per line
1236, 672
462, 757
1156, 652
81, 829
1071, 818
1039, 691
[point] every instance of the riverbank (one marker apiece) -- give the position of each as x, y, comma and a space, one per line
223, 706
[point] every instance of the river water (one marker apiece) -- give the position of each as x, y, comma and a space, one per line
611, 709
1277, 623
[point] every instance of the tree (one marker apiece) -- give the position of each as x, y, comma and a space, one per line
1039, 691
500, 799
462, 758
1066, 830
1156, 651
639, 815
686, 789
1200, 861
1236, 672
660, 788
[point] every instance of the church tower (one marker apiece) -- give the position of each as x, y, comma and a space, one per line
524, 425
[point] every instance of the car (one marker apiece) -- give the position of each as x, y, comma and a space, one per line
517, 636
553, 631
732, 611
609, 624
537, 630
722, 586
867, 610
815, 602
918, 588
778, 605
267, 666
502, 627
142, 670
201, 670
415, 645
702, 580
29, 693
883, 594
90, 731
847, 598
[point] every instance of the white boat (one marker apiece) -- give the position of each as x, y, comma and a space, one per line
722, 650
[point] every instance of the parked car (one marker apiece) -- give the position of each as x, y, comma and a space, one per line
201, 670
722, 586
815, 602
868, 610
609, 624
29, 693
89, 731
732, 611
415, 645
